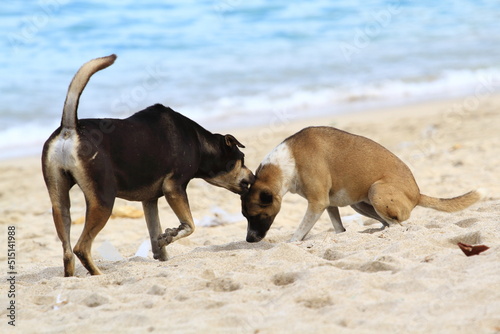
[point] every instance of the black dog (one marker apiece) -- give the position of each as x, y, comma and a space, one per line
153, 153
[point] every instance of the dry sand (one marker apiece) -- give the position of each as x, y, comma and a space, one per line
406, 279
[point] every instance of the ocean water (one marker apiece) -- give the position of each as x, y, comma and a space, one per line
227, 63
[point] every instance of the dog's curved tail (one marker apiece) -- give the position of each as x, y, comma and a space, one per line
69, 117
450, 204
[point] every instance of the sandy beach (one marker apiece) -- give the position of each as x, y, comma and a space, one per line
405, 279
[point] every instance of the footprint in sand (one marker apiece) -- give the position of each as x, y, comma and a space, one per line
95, 300
464, 223
380, 263
284, 278
223, 284
157, 290
376, 266
471, 238
315, 302
332, 255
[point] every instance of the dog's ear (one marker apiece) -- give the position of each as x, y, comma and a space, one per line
265, 197
231, 141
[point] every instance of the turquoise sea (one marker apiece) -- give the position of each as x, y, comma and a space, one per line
228, 63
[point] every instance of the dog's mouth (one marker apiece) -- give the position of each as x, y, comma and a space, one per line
238, 188
258, 227
241, 188
253, 237
244, 187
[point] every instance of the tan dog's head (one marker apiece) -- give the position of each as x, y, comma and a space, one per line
259, 206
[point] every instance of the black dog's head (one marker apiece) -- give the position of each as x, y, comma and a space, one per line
231, 172
259, 206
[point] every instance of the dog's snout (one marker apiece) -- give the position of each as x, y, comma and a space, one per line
253, 237
244, 188
247, 182
250, 180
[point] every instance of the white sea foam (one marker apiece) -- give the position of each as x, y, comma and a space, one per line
23, 139
284, 105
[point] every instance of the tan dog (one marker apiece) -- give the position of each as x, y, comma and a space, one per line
332, 168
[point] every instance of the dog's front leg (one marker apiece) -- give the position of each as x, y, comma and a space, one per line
177, 199
154, 228
311, 217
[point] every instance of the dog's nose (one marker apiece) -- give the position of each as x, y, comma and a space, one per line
244, 188
251, 180
253, 237
246, 183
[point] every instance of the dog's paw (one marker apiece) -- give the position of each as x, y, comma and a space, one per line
161, 256
167, 237
162, 241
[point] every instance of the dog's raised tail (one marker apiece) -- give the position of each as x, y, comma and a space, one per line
450, 204
69, 117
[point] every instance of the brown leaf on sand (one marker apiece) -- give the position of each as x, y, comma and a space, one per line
126, 212
470, 250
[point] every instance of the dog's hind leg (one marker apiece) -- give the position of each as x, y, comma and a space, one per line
96, 216
59, 185
100, 198
177, 199
367, 210
154, 228
334, 214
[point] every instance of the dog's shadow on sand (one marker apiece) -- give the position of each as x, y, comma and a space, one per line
238, 245
50, 273
373, 230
